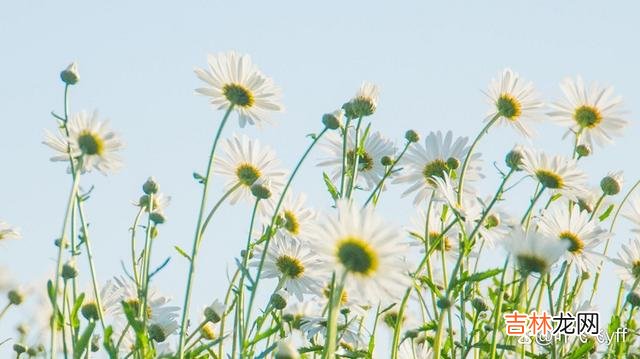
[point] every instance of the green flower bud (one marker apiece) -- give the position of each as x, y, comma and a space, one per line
156, 333
150, 186
386, 161
479, 304
513, 159
444, 303
15, 297
19, 348
157, 217
90, 311
332, 120
611, 184
279, 299
69, 270
583, 150
453, 163
412, 136
70, 75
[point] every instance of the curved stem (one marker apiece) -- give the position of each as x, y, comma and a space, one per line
198, 233
465, 164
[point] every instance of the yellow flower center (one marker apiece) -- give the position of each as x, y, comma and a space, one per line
291, 223
290, 267
90, 143
445, 244
508, 107
576, 245
365, 162
549, 179
238, 95
635, 269
357, 256
247, 174
587, 116
435, 168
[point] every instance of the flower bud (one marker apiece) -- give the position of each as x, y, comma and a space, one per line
15, 297
585, 275
19, 348
279, 299
386, 161
156, 333
492, 221
513, 159
90, 311
412, 136
583, 150
332, 120
611, 184
150, 186
69, 270
260, 190
634, 298
70, 75
453, 163
444, 303
285, 350
157, 217
411, 334
479, 304
207, 331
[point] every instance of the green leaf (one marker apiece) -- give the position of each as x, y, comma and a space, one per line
83, 341
581, 351
75, 322
330, 187
198, 177
108, 343
480, 276
606, 213
182, 252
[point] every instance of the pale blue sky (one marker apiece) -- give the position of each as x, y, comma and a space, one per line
431, 60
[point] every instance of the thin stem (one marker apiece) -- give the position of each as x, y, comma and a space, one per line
345, 137
498, 310
146, 262
386, 175
334, 310
198, 234
134, 257
245, 259
465, 164
356, 159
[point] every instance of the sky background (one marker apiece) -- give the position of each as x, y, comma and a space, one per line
136, 60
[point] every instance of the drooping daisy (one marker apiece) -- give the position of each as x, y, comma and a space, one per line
556, 173
370, 168
632, 212
534, 252
364, 103
629, 260
590, 110
439, 156
574, 227
234, 80
297, 218
369, 251
292, 262
244, 161
8, 232
514, 101
90, 142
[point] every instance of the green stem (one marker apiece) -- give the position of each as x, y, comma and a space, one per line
386, 175
356, 159
198, 233
498, 311
465, 164
134, 258
245, 259
345, 137
334, 310
146, 263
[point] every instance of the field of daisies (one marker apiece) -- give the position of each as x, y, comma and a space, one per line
325, 283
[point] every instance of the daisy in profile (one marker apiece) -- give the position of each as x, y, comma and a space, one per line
628, 260
590, 111
233, 80
296, 217
556, 173
588, 199
514, 102
243, 162
90, 142
364, 103
292, 263
8, 232
441, 155
534, 252
361, 245
370, 167
574, 227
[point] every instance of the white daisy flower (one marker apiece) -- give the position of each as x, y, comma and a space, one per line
433, 227
90, 142
574, 227
8, 232
632, 212
629, 260
233, 79
439, 156
244, 161
588, 199
350, 332
556, 173
160, 328
292, 262
534, 251
514, 101
359, 244
370, 168
297, 218
592, 112
286, 350
364, 103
